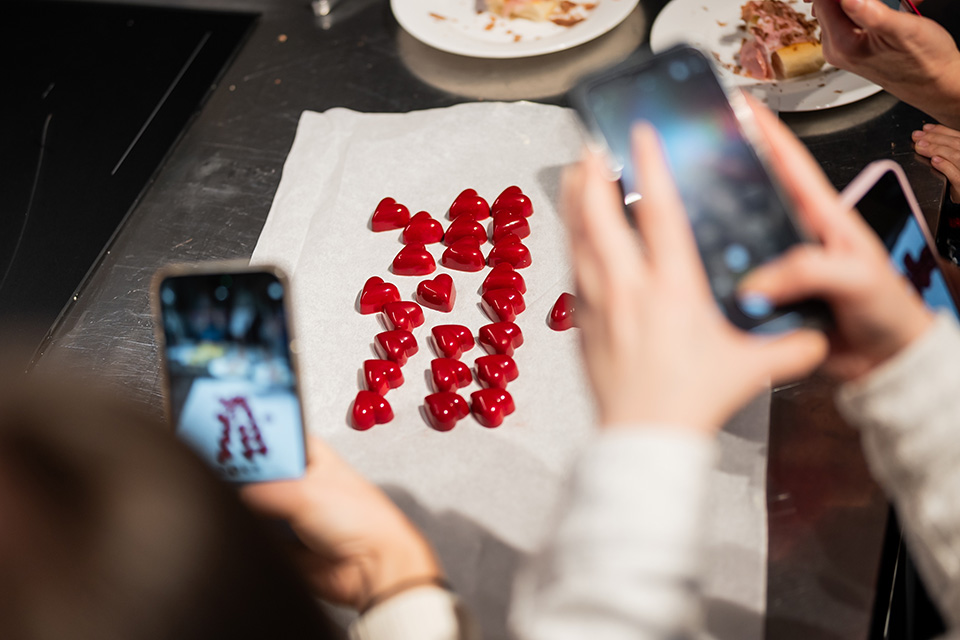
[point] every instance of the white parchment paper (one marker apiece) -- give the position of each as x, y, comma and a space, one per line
483, 496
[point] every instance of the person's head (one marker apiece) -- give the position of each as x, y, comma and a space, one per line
110, 529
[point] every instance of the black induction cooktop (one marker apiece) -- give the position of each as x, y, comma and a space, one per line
95, 97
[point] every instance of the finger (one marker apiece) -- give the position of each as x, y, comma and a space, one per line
802, 273
930, 146
876, 17
660, 214
586, 270
950, 170
279, 499
792, 356
941, 130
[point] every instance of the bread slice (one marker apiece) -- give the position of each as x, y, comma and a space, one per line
536, 10
797, 59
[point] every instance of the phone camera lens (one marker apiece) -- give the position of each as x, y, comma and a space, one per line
679, 71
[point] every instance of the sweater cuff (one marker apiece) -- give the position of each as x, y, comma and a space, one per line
422, 613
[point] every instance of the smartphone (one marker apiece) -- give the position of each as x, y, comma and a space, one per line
882, 195
740, 215
229, 360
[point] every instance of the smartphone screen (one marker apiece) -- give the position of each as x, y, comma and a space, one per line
887, 211
232, 386
739, 217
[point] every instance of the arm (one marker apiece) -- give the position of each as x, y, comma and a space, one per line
912, 57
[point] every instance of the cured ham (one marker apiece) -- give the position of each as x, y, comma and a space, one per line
782, 43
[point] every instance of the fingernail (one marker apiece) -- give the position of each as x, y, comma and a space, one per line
916, 135
928, 127
936, 159
755, 305
923, 144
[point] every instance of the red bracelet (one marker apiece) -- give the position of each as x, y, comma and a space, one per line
402, 586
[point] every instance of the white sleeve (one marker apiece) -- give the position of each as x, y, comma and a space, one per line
908, 411
624, 557
423, 613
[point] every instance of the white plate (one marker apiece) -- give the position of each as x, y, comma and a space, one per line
715, 27
456, 27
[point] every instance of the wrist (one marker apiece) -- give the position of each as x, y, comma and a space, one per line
395, 566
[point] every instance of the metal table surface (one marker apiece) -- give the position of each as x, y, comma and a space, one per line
212, 196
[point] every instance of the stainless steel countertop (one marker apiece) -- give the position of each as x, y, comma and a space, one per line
212, 196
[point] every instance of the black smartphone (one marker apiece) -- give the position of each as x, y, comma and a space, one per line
882, 195
231, 382
740, 215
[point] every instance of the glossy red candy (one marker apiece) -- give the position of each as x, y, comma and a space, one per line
451, 340
502, 304
396, 345
511, 251
423, 228
503, 276
501, 337
464, 227
445, 409
382, 375
438, 293
414, 260
491, 406
376, 293
463, 255
389, 214
370, 409
496, 370
562, 314
403, 314
512, 200
507, 222
468, 203
449, 374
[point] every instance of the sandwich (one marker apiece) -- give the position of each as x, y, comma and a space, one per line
782, 42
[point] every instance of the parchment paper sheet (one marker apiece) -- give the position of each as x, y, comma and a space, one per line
484, 496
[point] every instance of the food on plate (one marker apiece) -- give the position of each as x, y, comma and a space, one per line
782, 44
565, 13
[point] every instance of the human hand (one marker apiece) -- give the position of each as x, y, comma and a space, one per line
876, 312
656, 346
358, 544
910, 56
942, 146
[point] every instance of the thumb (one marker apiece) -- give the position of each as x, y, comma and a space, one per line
793, 355
871, 15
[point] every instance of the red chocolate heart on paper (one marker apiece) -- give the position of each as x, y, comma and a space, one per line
389, 214
370, 409
423, 229
414, 260
468, 203
491, 406
396, 345
382, 375
496, 371
403, 314
502, 304
562, 314
375, 294
463, 255
503, 276
501, 337
507, 222
512, 200
511, 251
445, 409
451, 340
464, 227
438, 293
449, 374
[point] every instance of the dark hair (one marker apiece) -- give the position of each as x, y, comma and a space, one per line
110, 529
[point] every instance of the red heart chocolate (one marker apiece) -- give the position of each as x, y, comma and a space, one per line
561, 316
511, 251
507, 222
464, 227
389, 214
403, 314
503, 276
512, 200
502, 304
468, 203
382, 375
451, 340
496, 370
370, 409
445, 409
376, 293
414, 260
463, 255
491, 406
396, 345
501, 337
423, 229
449, 374
438, 293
